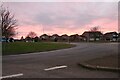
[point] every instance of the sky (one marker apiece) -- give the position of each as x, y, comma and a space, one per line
63, 17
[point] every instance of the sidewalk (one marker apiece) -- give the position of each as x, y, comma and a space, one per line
109, 63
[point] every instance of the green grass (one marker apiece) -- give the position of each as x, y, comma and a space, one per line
23, 47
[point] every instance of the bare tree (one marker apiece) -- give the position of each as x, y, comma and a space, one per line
96, 32
7, 22
32, 34
96, 28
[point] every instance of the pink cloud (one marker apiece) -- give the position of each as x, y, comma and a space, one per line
64, 18
24, 30
106, 25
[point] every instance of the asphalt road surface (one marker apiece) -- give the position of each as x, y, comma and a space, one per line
59, 63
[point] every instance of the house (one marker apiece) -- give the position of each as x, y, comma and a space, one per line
36, 39
28, 39
44, 37
111, 36
64, 37
55, 37
74, 38
82, 38
93, 35
118, 37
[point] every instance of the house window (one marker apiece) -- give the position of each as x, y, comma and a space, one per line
97, 39
114, 39
98, 35
92, 39
84, 39
91, 35
114, 35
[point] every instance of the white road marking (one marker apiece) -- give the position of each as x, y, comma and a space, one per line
10, 76
53, 68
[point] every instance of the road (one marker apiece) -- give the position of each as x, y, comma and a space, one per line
43, 64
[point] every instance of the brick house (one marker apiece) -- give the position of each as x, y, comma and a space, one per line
74, 38
111, 36
82, 38
93, 35
44, 37
55, 37
64, 37
118, 37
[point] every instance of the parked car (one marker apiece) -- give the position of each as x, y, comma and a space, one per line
3, 39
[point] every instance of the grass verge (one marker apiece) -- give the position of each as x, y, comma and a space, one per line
29, 47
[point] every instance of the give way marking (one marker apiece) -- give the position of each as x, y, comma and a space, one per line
56, 67
10, 76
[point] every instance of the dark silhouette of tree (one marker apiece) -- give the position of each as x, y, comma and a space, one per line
32, 34
22, 38
96, 28
7, 23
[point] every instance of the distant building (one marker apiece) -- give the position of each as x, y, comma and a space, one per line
82, 38
36, 39
93, 35
118, 37
75, 38
44, 37
111, 36
64, 37
28, 39
55, 37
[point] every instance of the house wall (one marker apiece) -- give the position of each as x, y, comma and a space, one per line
93, 36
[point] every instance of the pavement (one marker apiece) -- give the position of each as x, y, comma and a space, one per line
110, 61
59, 63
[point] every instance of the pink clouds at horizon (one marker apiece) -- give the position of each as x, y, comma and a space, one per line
38, 29
105, 25
64, 18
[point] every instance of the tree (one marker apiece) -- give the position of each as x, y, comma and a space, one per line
22, 38
7, 23
96, 32
32, 34
96, 28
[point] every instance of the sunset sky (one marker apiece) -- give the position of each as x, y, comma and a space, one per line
63, 17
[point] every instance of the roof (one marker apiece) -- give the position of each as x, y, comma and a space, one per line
55, 35
91, 32
74, 35
64, 35
110, 33
44, 35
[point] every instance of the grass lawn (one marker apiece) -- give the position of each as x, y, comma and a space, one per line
29, 47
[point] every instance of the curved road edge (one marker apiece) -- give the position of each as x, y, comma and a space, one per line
92, 67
